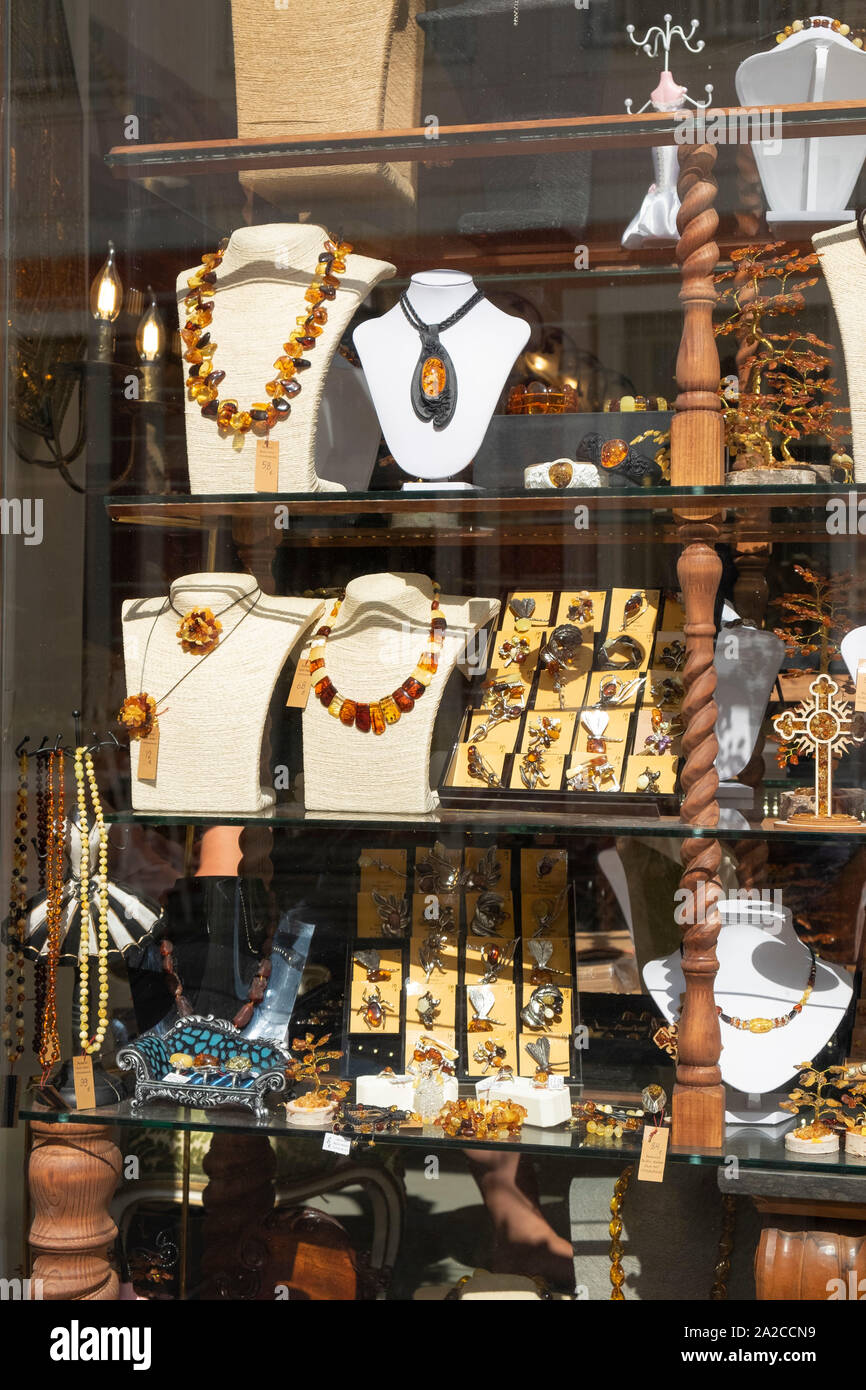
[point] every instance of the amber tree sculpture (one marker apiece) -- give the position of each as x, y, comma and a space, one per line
816, 618
786, 389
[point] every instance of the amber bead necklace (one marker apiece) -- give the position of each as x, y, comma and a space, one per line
388, 708
204, 379
13, 1008
49, 1045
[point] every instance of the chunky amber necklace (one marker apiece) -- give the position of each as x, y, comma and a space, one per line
767, 1025
204, 378
388, 708
49, 1045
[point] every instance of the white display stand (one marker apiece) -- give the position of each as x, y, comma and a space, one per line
482, 346
544, 1107
747, 662
259, 294
377, 638
843, 261
806, 180
398, 1090
763, 970
211, 727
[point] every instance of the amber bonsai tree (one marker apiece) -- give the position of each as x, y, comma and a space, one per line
816, 619
311, 1064
811, 1095
786, 390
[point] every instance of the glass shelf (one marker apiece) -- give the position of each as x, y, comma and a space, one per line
778, 513
492, 140
752, 1145
497, 822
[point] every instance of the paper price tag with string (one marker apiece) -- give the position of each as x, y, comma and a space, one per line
82, 1079
299, 692
653, 1154
148, 756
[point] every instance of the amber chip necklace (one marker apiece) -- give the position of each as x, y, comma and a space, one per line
433, 388
388, 708
204, 379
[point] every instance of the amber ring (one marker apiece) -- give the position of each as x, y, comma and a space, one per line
621, 653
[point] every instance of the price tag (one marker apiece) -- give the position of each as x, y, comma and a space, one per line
414, 987
300, 691
82, 1079
860, 690
336, 1144
9, 1100
556, 1083
653, 1154
148, 756
267, 465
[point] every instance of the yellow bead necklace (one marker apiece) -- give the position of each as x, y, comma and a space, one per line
84, 771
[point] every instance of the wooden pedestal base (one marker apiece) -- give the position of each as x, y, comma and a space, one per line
698, 1117
73, 1172
806, 1259
837, 822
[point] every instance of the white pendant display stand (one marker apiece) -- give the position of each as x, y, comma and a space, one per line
259, 294
747, 662
806, 180
843, 261
483, 347
763, 971
211, 727
377, 638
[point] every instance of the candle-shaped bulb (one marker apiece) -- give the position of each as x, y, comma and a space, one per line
150, 334
106, 292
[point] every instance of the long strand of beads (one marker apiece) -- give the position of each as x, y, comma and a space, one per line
13, 1008
40, 969
90, 1044
49, 1048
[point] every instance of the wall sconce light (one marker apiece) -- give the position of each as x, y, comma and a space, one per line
106, 302
150, 342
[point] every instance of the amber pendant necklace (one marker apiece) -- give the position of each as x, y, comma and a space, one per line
433, 389
388, 708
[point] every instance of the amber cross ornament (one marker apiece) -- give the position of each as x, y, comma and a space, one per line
821, 727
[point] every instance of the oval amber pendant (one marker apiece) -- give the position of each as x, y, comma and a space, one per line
760, 1025
433, 378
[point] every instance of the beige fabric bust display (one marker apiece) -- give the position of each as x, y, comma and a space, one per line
377, 638
259, 294
211, 725
843, 261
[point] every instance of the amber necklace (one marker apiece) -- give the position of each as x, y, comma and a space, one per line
388, 708
433, 389
139, 713
13, 1008
49, 1046
204, 379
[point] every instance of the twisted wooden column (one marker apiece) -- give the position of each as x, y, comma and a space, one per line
697, 460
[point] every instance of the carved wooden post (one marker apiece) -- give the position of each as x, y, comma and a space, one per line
73, 1172
697, 460
238, 1198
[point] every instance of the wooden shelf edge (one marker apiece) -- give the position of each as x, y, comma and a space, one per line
495, 140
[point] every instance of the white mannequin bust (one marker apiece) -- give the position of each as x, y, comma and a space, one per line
843, 261
377, 638
211, 725
763, 971
259, 294
482, 346
747, 662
